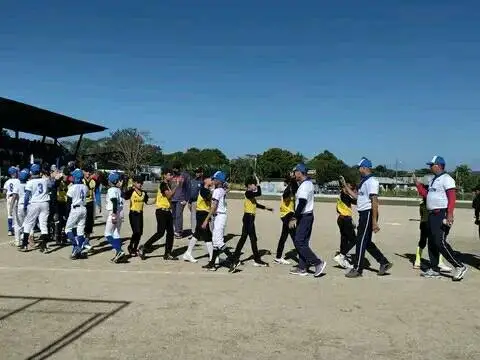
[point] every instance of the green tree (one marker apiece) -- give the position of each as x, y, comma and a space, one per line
328, 168
276, 162
464, 178
240, 169
156, 157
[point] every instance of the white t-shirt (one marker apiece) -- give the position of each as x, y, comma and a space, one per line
114, 193
219, 195
19, 189
437, 191
306, 191
39, 189
368, 188
10, 185
78, 193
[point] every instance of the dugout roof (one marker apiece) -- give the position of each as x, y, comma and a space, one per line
25, 118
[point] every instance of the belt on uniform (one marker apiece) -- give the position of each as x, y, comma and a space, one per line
436, 211
136, 212
344, 216
77, 206
164, 209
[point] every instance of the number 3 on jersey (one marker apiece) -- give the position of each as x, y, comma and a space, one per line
82, 195
40, 188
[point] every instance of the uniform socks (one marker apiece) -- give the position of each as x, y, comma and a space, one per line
191, 245
418, 257
209, 246
10, 224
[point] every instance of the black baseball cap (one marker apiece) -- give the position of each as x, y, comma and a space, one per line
138, 179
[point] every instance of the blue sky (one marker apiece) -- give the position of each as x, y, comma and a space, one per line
382, 79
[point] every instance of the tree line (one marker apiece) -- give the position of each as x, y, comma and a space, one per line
129, 149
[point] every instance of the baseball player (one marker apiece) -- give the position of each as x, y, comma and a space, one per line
218, 212
77, 213
203, 204
441, 198
89, 181
114, 207
36, 205
138, 198
345, 224
250, 206
17, 205
164, 219
8, 189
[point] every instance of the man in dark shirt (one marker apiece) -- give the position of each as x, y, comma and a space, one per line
476, 207
181, 182
195, 185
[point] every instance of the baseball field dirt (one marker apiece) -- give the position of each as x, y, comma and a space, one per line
56, 308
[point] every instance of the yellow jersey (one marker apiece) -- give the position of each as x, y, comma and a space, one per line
250, 206
62, 192
91, 189
138, 200
202, 203
344, 205
162, 201
287, 206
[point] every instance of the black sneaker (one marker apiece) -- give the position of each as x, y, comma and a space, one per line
210, 267
233, 265
260, 263
170, 258
141, 252
384, 268
353, 274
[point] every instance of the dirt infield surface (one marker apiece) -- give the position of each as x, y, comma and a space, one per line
52, 307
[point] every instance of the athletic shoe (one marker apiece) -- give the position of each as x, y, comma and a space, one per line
178, 236
141, 252
384, 268
23, 248
353, 273
299, 272
417, 265
342, 261
459, 273
87, 246
209, 267
75, 254
188, 257
233, 265
170, 258
10, 233
319, 269
444, 268
260, 263
118, 257
431, 274
282, 261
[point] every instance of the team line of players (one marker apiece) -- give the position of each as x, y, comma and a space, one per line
28, 200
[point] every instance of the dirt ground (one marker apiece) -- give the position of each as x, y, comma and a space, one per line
52, 307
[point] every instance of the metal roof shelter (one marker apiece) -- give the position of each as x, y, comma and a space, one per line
21, 117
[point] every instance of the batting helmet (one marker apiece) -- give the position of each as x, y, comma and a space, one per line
114, 177
35, 169
23, 175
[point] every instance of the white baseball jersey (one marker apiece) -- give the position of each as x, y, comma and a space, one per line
114, 193
306, 191
39, 190
368, 187
78, 193
437, 191
10, 185
219, 194
19, 189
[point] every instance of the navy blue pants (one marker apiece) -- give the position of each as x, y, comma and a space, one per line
437, 239
364, 241
302, 242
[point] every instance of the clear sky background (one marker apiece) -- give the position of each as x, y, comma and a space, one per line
383, 79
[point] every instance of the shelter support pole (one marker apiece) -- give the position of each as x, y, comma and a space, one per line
78, 145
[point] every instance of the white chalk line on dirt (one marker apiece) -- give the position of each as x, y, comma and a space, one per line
200, 273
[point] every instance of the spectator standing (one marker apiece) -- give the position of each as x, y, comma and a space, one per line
181, 183
195, 185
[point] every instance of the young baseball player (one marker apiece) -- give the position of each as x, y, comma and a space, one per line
218, 212
138, 198
345, 224
287, 210
203, 204
77, 213
250, 206
164, 219
89, 181
8, 189
17, 205
36, 205
114, 207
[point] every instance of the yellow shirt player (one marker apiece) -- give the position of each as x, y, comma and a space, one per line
287, 210
346, 226
204, 204
89, 198
164, 218
138, 198
250, 206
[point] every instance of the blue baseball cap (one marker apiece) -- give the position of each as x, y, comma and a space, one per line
23, 175
220, 176
12, 170
114, 177
77, 175
301, 168
35, 169
436, 160
365, 163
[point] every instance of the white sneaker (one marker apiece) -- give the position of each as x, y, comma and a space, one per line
282, 261
10, 233
444, 268
342, 262
188, 257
